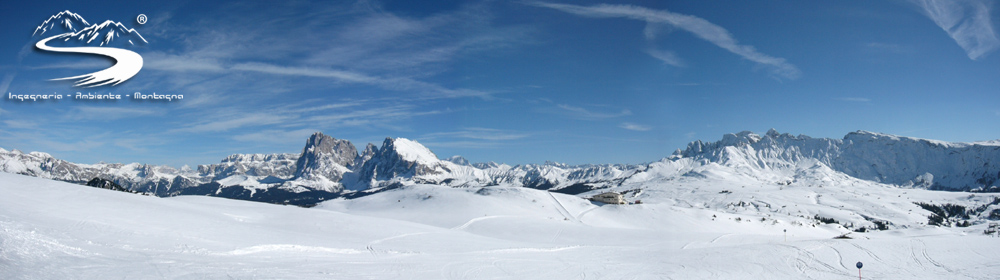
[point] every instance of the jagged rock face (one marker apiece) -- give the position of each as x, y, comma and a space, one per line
277, 165
367, 155
42, 165
398, 159
910, 161
865, 155
105, 184
326, 157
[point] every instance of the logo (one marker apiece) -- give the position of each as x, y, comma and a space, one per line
67, 32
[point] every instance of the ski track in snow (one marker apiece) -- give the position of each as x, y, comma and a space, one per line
375, 253
923, 253
580, 216
478, 219
562, 209
868, 252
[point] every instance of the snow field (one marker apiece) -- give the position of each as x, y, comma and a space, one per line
55, 230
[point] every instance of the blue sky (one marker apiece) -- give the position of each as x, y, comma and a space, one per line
507, 81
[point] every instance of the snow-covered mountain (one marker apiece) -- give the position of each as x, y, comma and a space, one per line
328, 167
160, 180
896, 160
263, 165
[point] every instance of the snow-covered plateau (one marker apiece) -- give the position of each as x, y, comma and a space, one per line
746, 207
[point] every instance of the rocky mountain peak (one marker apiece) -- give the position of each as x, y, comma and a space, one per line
398, 158
458, 160
325, 156
366, 155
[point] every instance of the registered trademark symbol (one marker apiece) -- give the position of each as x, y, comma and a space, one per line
141, 19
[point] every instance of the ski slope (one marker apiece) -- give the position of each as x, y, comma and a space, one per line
56, 230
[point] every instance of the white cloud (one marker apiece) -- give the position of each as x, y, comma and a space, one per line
89, 64
381, 41
697, 26
78, 146
463, 144
584, 114
293, 117
478, 133
305, 71
373, 47
225, 122
20, 124
667, 57
180, 63
368, 116
430, 90
968, 22
276, 136
653, 30
5, 83
108, 113
635, 127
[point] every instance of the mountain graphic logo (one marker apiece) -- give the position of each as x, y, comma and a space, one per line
67, 32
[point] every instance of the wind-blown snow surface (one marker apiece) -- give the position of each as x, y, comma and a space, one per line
56, 230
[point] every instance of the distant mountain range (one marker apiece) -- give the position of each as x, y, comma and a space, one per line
328, 168
74, 30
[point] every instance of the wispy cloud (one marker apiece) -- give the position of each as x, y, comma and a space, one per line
305, 71
296, 117
5, 83
667, 57
380, 115
233, 121
372, 47
479, 133
90, 64
699, 27
276, 136
51, 141
968, 22
382, 41
635, 127
473, 138
181, 63
20, 123
108, 113
585, 114
428, 90
853, 99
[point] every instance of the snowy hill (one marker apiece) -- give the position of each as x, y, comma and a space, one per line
328, 167
56, 230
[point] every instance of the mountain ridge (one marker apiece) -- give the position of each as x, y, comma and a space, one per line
328, 167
